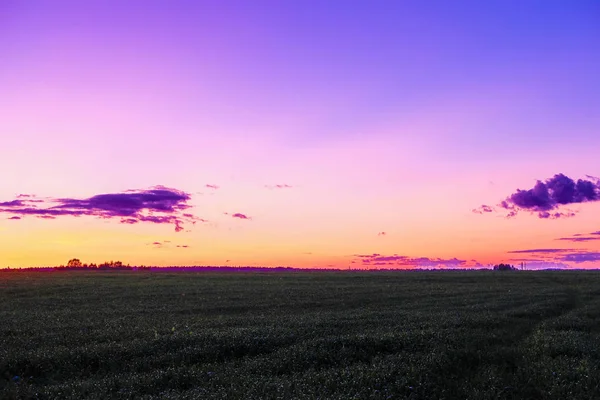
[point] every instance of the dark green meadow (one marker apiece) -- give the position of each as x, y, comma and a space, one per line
392, 335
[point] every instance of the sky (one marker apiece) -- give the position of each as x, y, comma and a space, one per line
345, 134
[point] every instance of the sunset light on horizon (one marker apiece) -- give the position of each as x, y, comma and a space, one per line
310, 134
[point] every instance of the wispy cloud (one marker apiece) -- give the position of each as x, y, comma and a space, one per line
579, 238
382, 233
540, 251
279, 186
166, 243
159, 205
239, 215
546, 197
483, 209
210, 186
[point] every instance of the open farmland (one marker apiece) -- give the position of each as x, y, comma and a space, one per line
417, 335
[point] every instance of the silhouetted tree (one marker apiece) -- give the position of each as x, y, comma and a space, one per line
504, 267
74, 263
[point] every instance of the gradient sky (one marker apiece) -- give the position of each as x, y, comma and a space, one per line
349, 133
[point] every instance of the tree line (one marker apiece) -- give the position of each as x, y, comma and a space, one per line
76, 263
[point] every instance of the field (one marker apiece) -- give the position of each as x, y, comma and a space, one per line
416, 335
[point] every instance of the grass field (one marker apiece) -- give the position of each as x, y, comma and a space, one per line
417, 335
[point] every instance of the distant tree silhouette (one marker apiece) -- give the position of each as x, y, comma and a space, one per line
504, 267
74, 263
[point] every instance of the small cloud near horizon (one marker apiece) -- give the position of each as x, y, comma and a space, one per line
211, 186
581, 257
532, 264
562, 255
377, 259
382, 233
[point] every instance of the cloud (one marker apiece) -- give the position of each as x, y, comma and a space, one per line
532, 264
166, 243
579, 238
595, 233
483, 209
581, 257
14, 217
556, 215
13, 203
279, 186
240, 216
557, 257
381, 233
540, 251
406, 261
549, 195
159, 205
215, 187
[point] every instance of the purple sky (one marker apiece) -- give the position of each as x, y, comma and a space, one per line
297, 127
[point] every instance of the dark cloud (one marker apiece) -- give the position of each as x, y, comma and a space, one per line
483, 209
382, 233
540, 251
581, 257
595, 233
549, 195
579, 238
159, 205
240, 216
14, 217
184, 246
13, 203
215, 187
